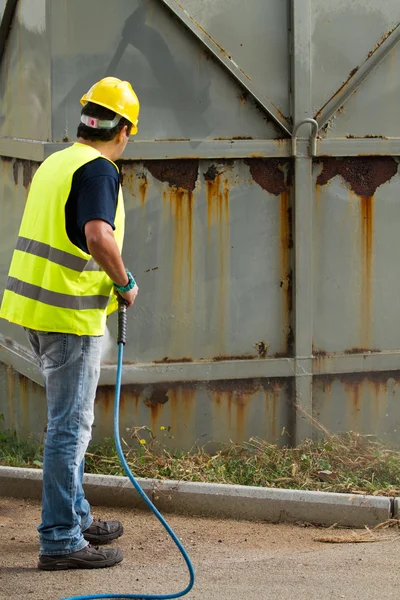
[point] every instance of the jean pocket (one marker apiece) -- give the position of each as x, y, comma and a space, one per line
53, 349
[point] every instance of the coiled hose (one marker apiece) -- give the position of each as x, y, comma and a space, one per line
121, 340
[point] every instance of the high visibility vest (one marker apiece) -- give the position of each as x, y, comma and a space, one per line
52, 285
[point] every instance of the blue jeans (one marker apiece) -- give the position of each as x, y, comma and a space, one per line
70, 365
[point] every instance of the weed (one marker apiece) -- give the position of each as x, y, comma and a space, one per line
349, 463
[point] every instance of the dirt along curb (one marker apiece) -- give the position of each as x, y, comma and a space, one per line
217, 500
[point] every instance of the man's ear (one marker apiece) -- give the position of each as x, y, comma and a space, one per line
123, 134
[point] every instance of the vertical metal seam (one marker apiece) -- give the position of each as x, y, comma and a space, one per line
303, 315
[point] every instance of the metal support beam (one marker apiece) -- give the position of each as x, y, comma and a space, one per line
161, 150
221, 56
303, 305
22, 360
5, 24
357, 77
210, 149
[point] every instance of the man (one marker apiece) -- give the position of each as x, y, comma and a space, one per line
65, 273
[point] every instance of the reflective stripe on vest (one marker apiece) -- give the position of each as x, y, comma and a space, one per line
60, 257
34, 292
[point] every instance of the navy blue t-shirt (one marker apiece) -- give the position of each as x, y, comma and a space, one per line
93, 195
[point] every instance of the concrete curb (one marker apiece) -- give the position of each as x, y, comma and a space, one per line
217, 500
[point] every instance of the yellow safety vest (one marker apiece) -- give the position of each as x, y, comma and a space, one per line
52, 285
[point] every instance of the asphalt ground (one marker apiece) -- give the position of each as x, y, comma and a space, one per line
234, 560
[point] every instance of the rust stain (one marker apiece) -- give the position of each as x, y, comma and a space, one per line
359, 387
181, 209
271, 174
319, 353
262, 349
361, 351
143, 185
221, 357
11, 379
367, 219
241, 403
211, 173
243, 98
217, 197
383, 38
286, 272
178, 173
168, 360
177, 402
154, 399
271, 398
15, 171
27, 167
188, 397
364, 175
23, 392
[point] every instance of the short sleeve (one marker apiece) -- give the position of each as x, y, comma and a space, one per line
97, 197
93, 195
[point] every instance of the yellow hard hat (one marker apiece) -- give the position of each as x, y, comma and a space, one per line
116, 95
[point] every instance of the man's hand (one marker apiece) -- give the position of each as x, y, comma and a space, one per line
130, 296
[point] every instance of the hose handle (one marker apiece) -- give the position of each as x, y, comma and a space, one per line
121, 328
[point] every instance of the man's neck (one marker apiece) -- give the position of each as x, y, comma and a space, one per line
105, 148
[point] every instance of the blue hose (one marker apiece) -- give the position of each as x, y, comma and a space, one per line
121, 341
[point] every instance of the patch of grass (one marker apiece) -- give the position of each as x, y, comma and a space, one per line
15, 452
348, 463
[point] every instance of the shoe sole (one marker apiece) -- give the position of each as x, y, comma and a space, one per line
97, 540
64, 564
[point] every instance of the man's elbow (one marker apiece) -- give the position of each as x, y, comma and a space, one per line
98, 236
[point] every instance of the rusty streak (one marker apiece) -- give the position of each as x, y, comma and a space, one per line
367, 214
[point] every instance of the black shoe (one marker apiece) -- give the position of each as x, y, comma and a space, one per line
88, 558
101, 532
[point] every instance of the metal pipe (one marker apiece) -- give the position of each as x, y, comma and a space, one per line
313, 137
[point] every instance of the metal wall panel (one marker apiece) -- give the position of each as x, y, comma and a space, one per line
15, 178
356, 250
210, 244
367, 403
203, 413
255, 35
373, 109
344, 32
25, 110
193, 414
23, 403
267, 269
184, 94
